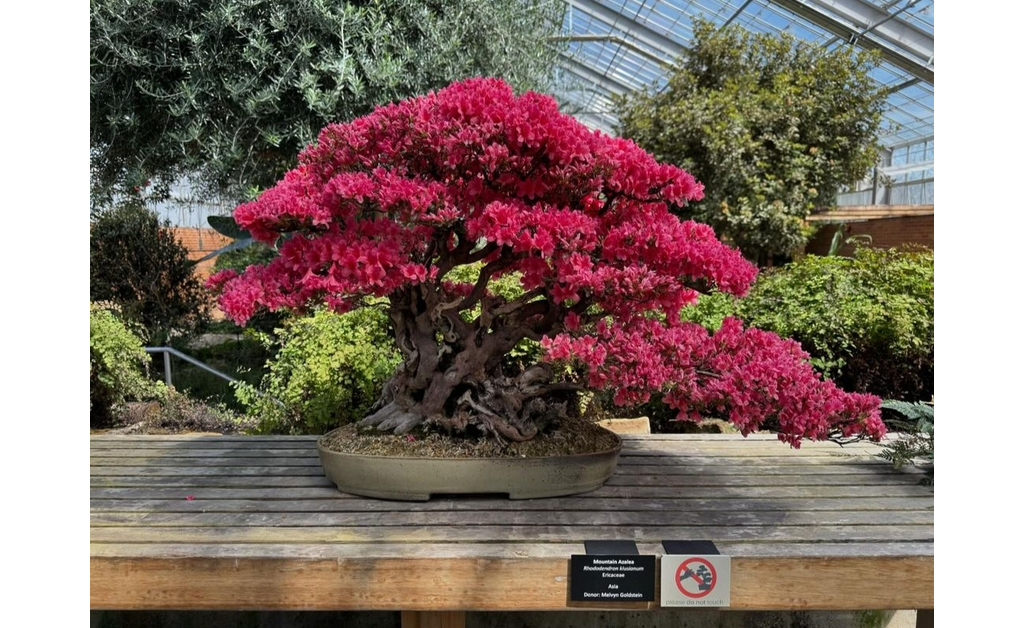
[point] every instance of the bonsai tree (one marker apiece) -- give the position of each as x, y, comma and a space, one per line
390, 204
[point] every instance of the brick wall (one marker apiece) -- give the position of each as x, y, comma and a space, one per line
885, 231
201, 242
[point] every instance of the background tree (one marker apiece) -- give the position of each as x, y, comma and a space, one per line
227, 92
772, 128
139, 264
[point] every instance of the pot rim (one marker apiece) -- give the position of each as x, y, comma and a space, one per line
601, 452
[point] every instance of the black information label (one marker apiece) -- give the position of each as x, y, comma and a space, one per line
611, 547
687, 548
611, 578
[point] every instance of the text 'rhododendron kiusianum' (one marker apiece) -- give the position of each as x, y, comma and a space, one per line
389, 204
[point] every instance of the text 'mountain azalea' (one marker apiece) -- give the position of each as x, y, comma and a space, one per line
389, 204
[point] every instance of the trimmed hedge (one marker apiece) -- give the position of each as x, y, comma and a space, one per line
867, 320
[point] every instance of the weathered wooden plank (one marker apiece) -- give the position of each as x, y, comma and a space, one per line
273, 441
329, 504
303, 487
152, 455
660, 442
420, 534
364, 550
228, 464
680, 454
174, 439
762, 469
480, 583
290, 456
690, 467
741, 452
704, 459
259, 482
671, 450
162, 462
488, 550
696, 518
193, 471
708, 478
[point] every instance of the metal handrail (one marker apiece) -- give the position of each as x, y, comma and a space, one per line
168, 352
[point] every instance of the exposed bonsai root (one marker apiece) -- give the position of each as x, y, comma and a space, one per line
491, 423
392, 417
509, 409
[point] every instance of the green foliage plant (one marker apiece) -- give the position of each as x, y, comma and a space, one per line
227, 92
914, 442
867, 321
771, 127
329, 370
118, 365
138, 263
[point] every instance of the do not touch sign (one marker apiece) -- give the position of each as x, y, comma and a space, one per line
695, 580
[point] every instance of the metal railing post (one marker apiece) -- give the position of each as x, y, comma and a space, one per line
167, 369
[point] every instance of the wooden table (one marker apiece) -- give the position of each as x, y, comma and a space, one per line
247, 523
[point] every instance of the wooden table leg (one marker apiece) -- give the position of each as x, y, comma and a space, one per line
925, 618
433, 619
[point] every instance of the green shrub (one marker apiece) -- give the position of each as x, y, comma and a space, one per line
867, 321
117, 366
329, 370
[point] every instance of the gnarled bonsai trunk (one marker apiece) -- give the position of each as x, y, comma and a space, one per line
452, 376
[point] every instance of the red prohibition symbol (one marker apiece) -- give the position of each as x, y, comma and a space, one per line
698, 576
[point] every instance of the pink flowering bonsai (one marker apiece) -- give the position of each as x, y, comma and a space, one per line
390, 204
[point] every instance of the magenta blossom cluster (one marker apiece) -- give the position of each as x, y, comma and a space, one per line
388, 204
748, 376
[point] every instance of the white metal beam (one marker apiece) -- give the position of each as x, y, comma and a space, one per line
899, 42
632, 29
604, 81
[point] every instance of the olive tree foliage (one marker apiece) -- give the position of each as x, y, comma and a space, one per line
771, 127
227, 92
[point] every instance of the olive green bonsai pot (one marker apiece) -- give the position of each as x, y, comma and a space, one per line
417, 478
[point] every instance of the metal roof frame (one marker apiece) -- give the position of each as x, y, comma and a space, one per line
617, 46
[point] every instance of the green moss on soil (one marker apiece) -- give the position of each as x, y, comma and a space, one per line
571, 437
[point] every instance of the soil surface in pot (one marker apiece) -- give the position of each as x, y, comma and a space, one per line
572, 436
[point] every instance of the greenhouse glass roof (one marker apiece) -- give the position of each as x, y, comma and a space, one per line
617, 46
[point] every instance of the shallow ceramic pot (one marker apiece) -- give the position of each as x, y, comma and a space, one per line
417, 478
